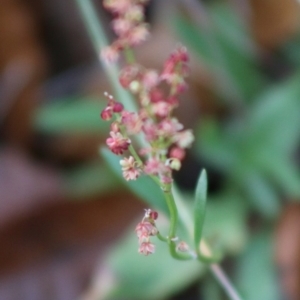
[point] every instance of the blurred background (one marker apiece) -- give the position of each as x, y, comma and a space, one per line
67, 222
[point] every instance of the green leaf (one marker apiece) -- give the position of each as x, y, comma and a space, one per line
223, 45
89, 179
199, 208
71, 115
144, 187
255, 268
262, 194
225, 226
267, 125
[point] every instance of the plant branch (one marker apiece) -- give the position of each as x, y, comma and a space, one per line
224, 282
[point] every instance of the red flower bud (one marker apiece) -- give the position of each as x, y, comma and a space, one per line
118, 107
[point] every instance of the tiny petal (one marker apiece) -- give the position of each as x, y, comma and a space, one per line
117, 143
143, 229
184, 139
182, 247
150, 79
132, 121
106, 114
178, 153
121, 26
130, 172
146, 248
138, 34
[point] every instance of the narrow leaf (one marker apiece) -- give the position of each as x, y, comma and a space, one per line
199, 209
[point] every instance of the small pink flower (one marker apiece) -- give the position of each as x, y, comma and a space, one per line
117, 6
106, 113
121, 26
156, 95
184, 139
130, 172
110, 54
114, 126
182, 247
150, 79
166, 179
138, 34
146, 248
161, 109
150, 130
117, 143
153, 166
132, 121
169, 127
145, 229
128, 74
177, 152
135, 13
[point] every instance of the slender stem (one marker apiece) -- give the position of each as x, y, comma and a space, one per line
173, 225
173, 211
224, 282
129, 55
99, 40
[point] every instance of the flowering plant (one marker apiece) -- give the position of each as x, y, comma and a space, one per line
151, 141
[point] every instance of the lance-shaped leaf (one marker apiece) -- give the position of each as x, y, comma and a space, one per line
199, 209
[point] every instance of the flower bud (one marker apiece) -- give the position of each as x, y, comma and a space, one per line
106, 114
173, 163
182, 247
118, 107
153, 215
134, 87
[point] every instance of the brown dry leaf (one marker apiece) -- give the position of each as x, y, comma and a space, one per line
287, 251
273, 22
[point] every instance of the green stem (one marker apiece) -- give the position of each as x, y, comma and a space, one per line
99, 40
167, 188
129, 55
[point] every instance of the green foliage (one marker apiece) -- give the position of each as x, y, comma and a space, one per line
225, 225
256, 269
224, 46
199, 207
89, 179
71, 116
255, 153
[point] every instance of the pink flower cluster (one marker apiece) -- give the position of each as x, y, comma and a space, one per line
144, 230
165, 135
128, 24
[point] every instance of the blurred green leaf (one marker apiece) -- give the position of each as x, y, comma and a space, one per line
256, 274
262, 195
222, 43
146, 189
225, 223
89, 179
215, 146
71, 115
273, 122
199, 207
